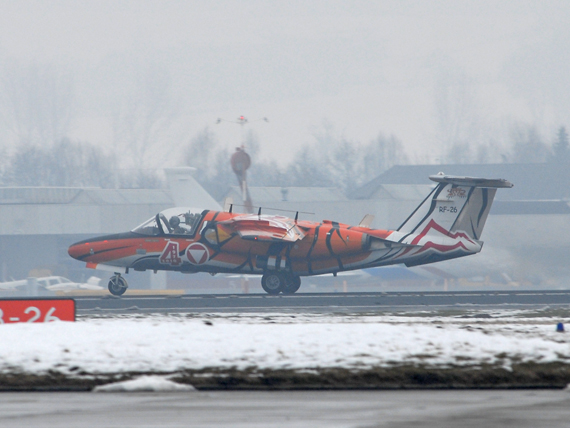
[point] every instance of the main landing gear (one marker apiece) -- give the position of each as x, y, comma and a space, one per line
117, 285
280, 282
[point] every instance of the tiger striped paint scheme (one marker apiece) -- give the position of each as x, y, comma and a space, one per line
447, 224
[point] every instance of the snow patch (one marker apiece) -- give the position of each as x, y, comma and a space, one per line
163, 345
145, 384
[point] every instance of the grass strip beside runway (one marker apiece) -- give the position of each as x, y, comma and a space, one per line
524, 375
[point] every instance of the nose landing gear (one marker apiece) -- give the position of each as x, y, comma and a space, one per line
117, 285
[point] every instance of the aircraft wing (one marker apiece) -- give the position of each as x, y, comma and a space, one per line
264, 228
13, 285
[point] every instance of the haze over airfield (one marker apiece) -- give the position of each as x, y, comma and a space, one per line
425, 71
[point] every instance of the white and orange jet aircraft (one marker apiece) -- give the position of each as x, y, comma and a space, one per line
446, 225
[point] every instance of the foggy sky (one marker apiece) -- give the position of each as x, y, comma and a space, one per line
421, 70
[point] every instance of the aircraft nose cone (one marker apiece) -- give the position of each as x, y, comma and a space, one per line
79, 250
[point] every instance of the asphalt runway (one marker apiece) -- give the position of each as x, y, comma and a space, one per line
324, 302
342, 409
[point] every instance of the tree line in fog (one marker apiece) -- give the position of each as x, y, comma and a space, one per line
330, 160
38, 105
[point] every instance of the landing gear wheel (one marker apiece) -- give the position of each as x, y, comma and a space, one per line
273, 283
293, 284
117, 285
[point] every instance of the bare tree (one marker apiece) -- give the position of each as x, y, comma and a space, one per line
139, 178
455, 114
251, 143
262, 172
331, 160
201, 151
143, 121
37, 102
345, 164
335, 159
483, 153
223, 177
212, 163
65, 163
460, 153
4, 162
381, 154
268, 173
527, 145
27, 167
306, 170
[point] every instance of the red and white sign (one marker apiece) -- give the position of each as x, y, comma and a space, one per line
36, 310
197, 253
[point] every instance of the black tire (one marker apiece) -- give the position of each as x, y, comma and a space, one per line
117, 285
293, 284
273, 283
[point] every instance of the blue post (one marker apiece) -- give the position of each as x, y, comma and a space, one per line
560, 327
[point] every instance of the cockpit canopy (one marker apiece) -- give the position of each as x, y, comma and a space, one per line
173, 221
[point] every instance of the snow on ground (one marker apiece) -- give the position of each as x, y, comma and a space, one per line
166, 344
145, 384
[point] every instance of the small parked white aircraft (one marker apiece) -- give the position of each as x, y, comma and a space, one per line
52, 283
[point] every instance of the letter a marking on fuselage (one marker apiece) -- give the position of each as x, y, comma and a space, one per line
169, 255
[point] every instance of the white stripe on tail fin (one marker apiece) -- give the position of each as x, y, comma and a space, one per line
457, 204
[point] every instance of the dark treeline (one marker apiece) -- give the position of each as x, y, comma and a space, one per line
330, 160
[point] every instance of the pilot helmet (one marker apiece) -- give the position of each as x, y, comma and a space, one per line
174, 221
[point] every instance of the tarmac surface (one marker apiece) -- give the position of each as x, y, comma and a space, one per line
362, 409
323, 302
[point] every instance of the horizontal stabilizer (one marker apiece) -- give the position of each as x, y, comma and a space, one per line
471, 181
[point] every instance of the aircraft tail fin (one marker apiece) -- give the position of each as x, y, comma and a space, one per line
455, 204
366, 221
